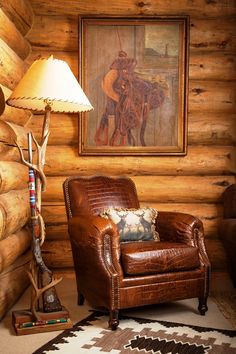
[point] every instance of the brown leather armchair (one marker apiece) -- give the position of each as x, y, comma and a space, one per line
115, 275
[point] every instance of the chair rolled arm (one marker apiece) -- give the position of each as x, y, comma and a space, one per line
98, 244
89, 228
95, 245
186, 228
179, 227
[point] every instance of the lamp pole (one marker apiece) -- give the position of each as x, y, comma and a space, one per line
48, 86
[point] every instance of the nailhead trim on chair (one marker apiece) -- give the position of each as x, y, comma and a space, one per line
66, 188
68, 206
111, 269
202, 252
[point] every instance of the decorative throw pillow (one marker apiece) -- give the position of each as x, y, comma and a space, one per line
134, 224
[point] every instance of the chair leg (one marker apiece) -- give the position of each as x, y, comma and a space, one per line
114, 319
80, 299
202, 307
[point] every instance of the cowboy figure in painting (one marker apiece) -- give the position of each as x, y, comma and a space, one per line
129, 101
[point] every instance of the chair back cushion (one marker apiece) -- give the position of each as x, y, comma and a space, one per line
91, 195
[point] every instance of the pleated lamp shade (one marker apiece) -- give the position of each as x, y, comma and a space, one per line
49, 81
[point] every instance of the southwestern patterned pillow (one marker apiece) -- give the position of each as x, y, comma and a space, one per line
134, 224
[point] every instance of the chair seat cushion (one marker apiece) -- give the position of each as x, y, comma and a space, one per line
150, 257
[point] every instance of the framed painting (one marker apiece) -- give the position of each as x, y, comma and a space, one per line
135, 73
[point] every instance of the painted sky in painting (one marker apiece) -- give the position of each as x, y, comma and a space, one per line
157, 39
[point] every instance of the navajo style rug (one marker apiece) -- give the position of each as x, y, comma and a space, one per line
139, 335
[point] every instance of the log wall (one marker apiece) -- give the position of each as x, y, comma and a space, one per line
193, 183
15, 238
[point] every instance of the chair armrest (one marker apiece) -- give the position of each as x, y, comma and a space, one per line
178, 227
87, 228
95, 233
186, 228
95, 244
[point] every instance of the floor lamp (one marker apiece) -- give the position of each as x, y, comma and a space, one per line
48, 86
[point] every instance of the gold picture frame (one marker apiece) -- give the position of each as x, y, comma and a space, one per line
135, 73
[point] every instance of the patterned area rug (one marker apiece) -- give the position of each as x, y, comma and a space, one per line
139, 335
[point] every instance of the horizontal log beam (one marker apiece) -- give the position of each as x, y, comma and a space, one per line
200, 160
213, 34
12, 36
57, 254
54, 213
212, 96
198, 8
13, 282
210, 214
212, 66
182, 189
12, 68
13, 247
13, 175
10, 133
14, 211
61, 33
57, 232
63, 128
161, 189
20, 13
208, 128
9, 153
11, 114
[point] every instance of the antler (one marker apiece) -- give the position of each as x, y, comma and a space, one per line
41, 150
39, 292
36, 168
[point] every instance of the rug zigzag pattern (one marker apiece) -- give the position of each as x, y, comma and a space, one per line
139, 335
164, 346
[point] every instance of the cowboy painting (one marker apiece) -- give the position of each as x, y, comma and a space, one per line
136, 85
